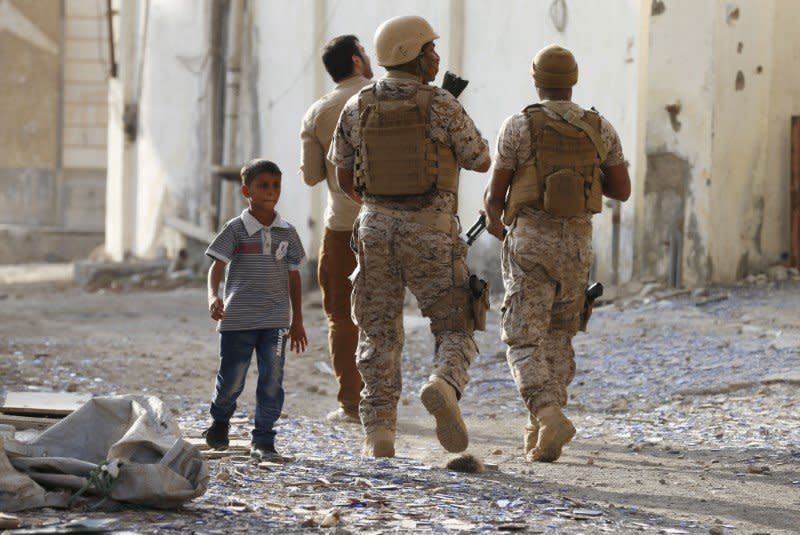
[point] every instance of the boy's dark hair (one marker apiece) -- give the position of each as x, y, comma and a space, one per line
257, 166
338, 56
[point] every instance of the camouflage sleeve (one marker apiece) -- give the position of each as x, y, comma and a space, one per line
469, 147
343, 145
611, 139
507, 151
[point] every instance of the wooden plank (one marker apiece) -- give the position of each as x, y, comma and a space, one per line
50, 403
27, 422
794, 215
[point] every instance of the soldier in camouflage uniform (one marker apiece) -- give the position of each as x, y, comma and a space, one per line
407, 236
554, 163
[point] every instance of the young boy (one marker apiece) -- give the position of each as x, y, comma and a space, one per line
262, 253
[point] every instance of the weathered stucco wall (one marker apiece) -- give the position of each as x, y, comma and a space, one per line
743, 43
499, 45
784, 102
707, 147
723, 80
673, 224
52, 133
172, 152
30, 53
498, 70
290, 76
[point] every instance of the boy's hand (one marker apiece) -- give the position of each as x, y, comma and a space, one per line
297, 337
216, 307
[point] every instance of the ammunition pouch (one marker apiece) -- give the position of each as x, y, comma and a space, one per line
563, 194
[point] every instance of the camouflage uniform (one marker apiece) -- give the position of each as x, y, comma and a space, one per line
394, 254
546, 262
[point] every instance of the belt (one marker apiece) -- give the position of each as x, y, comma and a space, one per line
441, 221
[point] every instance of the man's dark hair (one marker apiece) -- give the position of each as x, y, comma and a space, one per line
338, 56
256, 167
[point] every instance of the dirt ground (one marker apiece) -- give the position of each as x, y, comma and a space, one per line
687, 409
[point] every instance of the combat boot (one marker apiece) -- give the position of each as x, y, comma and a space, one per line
555, 430
378, 443
440, 400
531, 433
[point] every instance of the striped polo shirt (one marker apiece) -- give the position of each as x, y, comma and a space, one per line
258, 260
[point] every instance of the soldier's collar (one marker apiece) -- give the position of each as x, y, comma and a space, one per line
401, 75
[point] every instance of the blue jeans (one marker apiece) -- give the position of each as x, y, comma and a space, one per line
235, 352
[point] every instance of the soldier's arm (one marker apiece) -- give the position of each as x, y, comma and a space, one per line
494, 200
346, 182
616, 182
470, 149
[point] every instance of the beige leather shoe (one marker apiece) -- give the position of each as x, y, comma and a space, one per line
555, 430
440, 399
378, 443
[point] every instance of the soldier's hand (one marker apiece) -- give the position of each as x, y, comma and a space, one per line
495, 228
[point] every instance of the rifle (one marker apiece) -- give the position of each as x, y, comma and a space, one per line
454, 83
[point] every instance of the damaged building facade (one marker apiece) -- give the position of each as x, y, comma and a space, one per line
701, 93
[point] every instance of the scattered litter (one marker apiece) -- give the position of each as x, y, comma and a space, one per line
324, 367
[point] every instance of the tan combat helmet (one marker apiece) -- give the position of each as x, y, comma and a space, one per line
554, 67
400, 39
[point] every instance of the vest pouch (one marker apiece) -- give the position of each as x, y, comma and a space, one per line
525, 190
594, 194
564, 194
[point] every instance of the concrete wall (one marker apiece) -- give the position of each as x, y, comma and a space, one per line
30, 52
667, 76
784, 102
52, 137
720, 99
675, 194
499, 45
497, 68
173, 136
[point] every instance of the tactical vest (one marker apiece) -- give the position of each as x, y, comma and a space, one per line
562, 176
396, 156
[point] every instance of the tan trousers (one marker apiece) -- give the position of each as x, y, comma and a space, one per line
336, 262
546, 263
395, 255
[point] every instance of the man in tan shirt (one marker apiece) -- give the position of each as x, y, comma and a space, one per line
349, 66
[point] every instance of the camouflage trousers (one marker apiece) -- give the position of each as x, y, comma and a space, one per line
394, 254
546, 262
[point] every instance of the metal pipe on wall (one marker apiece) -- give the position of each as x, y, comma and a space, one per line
229, 194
